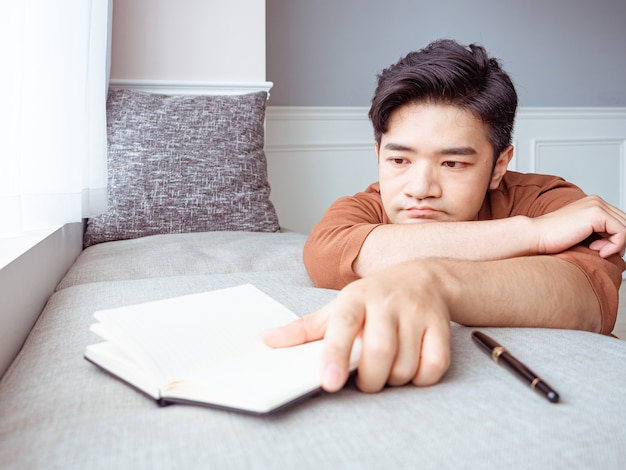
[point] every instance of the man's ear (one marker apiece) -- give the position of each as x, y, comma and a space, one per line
500, 167
377, 150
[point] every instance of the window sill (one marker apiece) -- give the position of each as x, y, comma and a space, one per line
31, 266
11, 248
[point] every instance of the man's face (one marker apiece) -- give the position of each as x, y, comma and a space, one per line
436, 164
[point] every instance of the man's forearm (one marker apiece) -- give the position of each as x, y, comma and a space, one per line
550, 233
534, 291
391, 244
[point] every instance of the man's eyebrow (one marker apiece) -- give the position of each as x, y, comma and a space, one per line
458, 151
463, 150
398, 147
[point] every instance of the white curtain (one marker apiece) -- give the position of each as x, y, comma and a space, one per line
52, 118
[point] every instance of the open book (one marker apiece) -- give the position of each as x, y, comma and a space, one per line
206, 349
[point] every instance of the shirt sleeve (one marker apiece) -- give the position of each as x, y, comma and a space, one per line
535, 195
604, 277
335, 242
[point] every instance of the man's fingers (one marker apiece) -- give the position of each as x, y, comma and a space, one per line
380, 344
609, 246
611, 225
337, 324
434, 356
345, 320
407, 358
393, 352
573, 223
308, 328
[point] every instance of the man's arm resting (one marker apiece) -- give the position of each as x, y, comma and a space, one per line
403, 314
533, 291
475, 241
497, 239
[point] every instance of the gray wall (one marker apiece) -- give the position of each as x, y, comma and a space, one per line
558, 52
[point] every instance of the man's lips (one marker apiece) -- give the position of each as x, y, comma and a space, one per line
421, 212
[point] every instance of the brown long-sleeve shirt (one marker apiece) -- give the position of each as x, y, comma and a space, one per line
335, 242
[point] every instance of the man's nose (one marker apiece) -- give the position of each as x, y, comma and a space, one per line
422, 182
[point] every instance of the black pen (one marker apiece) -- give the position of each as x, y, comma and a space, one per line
501, 356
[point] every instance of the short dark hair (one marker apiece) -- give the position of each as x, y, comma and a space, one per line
445, 72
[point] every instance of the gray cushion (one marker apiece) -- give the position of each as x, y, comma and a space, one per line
59, 411
188, 254
184, 164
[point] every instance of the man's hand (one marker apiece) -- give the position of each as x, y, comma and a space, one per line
402, 319
571, 224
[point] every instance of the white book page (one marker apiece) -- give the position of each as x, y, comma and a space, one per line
118, 350
196, 332
259, 383
115, 360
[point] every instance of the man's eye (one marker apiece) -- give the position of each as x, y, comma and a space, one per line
398, 161
452, 164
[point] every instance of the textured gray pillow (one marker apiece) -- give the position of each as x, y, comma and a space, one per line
184, 164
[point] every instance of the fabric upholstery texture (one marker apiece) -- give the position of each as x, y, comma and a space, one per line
59, 411
184, 164
187, 254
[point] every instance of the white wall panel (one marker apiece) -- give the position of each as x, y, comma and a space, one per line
316, 155
595, 165
584, 145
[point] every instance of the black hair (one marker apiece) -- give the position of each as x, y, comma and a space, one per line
445, 72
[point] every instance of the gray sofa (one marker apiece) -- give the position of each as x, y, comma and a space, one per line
59, 411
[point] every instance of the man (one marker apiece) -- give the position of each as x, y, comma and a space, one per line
448, 234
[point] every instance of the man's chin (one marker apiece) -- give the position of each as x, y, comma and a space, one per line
417, 220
